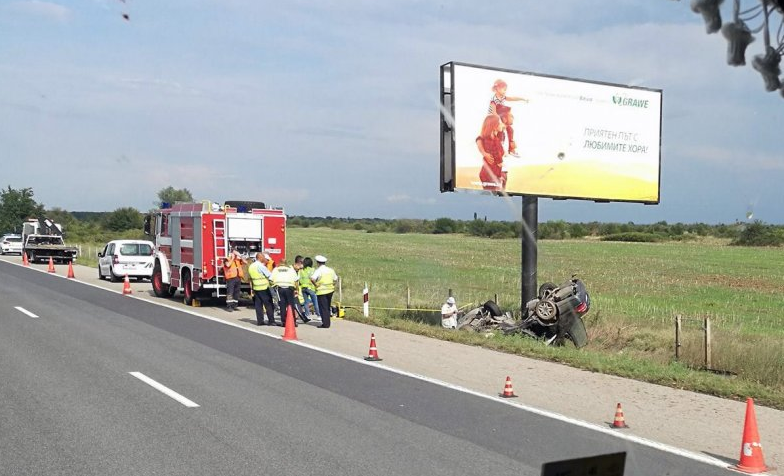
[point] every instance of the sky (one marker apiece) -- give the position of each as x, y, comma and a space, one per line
330, 107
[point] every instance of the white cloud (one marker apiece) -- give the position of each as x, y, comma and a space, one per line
41, 9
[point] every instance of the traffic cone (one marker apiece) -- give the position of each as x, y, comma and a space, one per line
619, 421
373, 354
289, 331
70, 270
127, 286
24, 259
508, 392
51, 265
751, 460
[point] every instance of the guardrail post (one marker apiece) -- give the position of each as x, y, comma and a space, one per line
365, 303
708, 363
677, 336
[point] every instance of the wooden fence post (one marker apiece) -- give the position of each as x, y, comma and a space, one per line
677, 336
708, 363
408, 296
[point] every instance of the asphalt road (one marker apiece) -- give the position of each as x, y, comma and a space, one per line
70, 405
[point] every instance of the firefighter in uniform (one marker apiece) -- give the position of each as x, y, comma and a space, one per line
324, 278
232, 271
262, 296
285, 278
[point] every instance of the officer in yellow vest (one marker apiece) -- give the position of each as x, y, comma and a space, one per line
284, 277
262, 297
324, 279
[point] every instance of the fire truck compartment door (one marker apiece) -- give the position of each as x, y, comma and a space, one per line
246, 229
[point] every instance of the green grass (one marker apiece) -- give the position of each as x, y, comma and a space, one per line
636, 290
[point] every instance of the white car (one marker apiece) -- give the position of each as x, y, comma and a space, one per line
126, 257
11, 244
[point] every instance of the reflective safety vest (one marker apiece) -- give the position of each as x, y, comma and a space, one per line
232, 270
304, 278
325, 283
284, 277
259, 282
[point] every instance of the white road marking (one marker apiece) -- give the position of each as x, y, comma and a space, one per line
25, 311
165, 390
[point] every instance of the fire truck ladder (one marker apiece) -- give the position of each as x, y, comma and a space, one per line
219, 238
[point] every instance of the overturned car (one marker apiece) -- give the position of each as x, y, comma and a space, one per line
554, 316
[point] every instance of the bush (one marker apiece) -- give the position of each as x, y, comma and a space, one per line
759, 234
634, 236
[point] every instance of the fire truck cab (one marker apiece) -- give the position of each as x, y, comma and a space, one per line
191, 240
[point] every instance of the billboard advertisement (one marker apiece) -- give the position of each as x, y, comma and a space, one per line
529, 134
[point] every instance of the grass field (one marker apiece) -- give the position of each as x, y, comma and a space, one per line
636, 290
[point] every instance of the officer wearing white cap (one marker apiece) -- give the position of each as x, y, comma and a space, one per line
324, 278
449, 314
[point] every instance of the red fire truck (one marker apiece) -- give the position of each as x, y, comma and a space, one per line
191, 240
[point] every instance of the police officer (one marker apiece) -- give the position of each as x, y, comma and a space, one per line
324, 279
262, 297
284, 277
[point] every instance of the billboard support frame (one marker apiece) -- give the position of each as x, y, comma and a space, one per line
529, 251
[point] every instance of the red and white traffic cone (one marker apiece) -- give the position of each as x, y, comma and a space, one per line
508, 392
127, 286
751, 459
619, 421
373, 354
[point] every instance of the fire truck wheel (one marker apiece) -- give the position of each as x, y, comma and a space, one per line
187, 289
160, 288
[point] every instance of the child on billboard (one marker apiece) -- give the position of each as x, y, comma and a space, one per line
490, 145
498, 107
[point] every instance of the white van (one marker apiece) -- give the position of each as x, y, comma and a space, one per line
134, 258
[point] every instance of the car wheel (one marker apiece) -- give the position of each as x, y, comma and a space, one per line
158, 286
113, 277
187, 289
546, 288
492, 308
546, 311
100, 274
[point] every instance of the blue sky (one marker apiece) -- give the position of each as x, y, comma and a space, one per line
330, 107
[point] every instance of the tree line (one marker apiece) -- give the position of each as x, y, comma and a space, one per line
755, 233
16, 205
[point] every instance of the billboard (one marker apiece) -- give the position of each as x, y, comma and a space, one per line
529, 134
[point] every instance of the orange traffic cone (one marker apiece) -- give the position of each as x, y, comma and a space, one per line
51, 265
508, 392
751, 460
373, 354
70, 270
127, 286
289, 331
619, 421
24, 259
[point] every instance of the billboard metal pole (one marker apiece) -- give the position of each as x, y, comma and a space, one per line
528, 238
